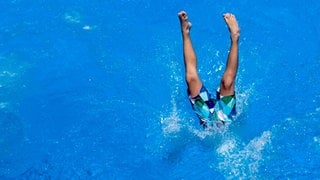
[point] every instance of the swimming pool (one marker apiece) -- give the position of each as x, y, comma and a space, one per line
95, 90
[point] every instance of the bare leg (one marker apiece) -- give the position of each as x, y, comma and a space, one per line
190, 60
228, 78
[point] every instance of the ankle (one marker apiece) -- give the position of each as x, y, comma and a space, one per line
235, 37
185, 33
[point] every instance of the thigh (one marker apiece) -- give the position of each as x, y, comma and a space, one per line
194, 85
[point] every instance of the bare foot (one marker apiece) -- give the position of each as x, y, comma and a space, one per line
185, 24
232, 26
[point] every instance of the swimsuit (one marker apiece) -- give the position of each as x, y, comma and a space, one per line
213, 111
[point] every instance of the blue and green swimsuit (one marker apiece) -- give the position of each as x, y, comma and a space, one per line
213, 111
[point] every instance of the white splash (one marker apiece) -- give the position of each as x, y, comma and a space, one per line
72, 17
316, 140
243, 98
237, 162
86, 27
171, 124
7, 74
3, 105
201, 133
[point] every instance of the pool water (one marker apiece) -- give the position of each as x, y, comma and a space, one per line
96, 90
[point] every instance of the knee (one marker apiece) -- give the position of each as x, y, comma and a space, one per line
191, 77
227, 82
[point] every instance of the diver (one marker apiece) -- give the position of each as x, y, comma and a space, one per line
213, 111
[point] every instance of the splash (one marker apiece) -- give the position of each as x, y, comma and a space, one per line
243, 97
316, 140
72, 17
12, 81
242, 162
316, 143
3, 105
171, 124
200, 133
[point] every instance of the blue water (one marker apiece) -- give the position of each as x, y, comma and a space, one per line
96, 90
